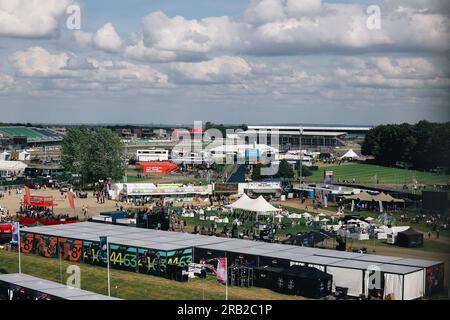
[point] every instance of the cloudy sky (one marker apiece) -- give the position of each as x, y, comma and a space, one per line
229, 61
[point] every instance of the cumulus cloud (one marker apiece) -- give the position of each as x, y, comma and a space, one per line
289, 27
418, 73
31, 18
220, 69
38, 62
107, 39
6, 81
70, 71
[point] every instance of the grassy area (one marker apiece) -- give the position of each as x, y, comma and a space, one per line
191, 222
428, 245
129, 285
364, 173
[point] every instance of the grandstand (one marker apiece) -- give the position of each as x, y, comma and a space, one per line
33, 135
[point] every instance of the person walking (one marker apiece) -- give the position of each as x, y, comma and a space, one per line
429, 235
437, 234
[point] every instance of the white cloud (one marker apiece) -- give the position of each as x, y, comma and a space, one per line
31, 18
6, 81
107, 39
289, 27
83, 39
38, 62
220, 69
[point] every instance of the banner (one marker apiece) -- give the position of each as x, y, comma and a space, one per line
104, 249
15, 233
70, 197
27, 194
221, 274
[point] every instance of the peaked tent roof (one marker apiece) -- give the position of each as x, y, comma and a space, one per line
261, 205
254, 205
363, 196
386, 198
350, 154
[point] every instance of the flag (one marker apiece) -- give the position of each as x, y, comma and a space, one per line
103, 249
70, 197
381, 206
353, 206
27, 194
221, 273
15, 233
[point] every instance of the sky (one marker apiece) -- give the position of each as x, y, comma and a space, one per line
257, 62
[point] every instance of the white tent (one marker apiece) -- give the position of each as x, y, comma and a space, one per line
350, 154
306, 215
321, 215
10, 168
295, 216
254, 205
261, 205
243, 203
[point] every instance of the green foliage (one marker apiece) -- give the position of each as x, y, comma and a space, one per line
425, 144
93, 154
306, 171
256, 173
285, 170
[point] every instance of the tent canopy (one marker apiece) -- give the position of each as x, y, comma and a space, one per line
350, 154
254, 205
364, 196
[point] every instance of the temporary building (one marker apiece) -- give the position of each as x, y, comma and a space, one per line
9, 168
19, 286
350, 154
410, 238
403, 278
295, 280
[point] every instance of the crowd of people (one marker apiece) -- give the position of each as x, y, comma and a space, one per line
42, 213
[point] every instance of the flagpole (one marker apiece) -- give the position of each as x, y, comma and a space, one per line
19, 246
226, 277
107, 257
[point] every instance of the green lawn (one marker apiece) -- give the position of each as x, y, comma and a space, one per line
191, 222
129, 285
364, 173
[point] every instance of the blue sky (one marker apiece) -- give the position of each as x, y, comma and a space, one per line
256, 61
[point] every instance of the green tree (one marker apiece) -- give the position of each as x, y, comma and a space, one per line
93, 154
425, 144
285, 170
256, 173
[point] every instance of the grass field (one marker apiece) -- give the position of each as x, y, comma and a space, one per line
364, 173
129, 285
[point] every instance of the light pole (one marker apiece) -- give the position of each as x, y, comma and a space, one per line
301, 157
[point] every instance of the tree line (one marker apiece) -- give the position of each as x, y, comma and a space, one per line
425, 145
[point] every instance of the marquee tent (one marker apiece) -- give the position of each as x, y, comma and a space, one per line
350, 154
383, 197
386, 198
259, 205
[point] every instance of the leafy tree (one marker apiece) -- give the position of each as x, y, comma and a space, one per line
285, 170
256, 173
93, 154
425, 144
